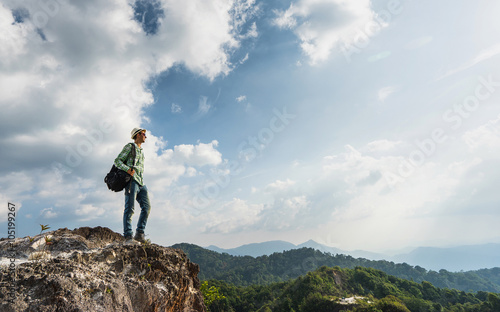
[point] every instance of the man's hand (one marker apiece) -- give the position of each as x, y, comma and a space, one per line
131, 171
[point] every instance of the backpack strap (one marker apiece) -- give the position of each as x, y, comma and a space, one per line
133, 164
133, 155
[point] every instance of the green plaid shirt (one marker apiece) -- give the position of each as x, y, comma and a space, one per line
139, 161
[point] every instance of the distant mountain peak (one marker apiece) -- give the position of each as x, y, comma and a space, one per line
311, 241
469, 257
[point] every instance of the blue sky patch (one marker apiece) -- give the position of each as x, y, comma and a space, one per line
148, 13
20, 15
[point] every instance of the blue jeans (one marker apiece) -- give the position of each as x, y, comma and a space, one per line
134, 191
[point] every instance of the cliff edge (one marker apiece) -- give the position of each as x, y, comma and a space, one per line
90, 269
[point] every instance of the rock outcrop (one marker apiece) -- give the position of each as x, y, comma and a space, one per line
91, 269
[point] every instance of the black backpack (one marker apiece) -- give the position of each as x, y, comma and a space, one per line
117, 179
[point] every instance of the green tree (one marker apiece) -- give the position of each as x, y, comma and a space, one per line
494, 302
391, 304
210, 294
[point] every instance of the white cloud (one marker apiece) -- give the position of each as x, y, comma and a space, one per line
280, 185
419, 42
176, 108
285, 19
354, 192
88, 212
203, 105
283, 208
236, 215
191, 172
485, 137
13, 36
164, 167
243, 10
244, 59
198, 155
16, 185
384, 93
48, 213
382, 145
322, 25
252, 31
243, 99
285, 213
482, 56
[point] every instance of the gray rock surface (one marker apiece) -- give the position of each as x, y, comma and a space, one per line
91, 269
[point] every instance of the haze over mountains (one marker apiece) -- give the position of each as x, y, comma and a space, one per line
470, 257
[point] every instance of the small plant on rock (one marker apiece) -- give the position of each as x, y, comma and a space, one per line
39, 255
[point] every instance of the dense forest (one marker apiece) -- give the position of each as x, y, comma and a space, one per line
281, 267
359, 289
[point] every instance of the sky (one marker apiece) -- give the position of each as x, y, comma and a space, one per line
370, 125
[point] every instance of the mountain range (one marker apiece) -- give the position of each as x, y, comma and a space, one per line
454, 259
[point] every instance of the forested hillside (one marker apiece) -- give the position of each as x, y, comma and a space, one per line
279, 267
359, 289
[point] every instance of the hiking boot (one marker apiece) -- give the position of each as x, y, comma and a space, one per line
130, 241
139, 237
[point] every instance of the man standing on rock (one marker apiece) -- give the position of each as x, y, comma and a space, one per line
136, 189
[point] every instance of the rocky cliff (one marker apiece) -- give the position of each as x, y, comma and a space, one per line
90, 269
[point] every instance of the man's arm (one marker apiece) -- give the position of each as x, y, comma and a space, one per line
122, 158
